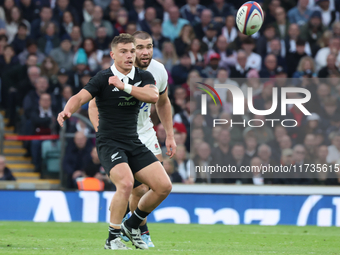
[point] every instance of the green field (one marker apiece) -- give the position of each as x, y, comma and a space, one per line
88, 238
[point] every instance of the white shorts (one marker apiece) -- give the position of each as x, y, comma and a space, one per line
150, 140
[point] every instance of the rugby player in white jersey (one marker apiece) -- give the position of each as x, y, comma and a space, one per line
147, 135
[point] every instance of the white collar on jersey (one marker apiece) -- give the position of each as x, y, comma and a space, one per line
131, 74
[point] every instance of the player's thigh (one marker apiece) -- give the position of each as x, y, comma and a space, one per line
155, 177
121, 175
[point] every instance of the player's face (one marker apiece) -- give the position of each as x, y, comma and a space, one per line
144, 52
124, 55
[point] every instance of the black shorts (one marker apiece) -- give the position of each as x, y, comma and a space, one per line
112, 152
137, 183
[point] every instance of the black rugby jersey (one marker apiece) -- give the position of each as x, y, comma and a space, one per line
118, 110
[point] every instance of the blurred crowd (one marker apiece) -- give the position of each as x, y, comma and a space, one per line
50, 49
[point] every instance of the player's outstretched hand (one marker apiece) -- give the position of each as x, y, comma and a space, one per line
114, 81
62, 116
170, 147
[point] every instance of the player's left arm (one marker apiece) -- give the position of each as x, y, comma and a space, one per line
94, 114
163, 107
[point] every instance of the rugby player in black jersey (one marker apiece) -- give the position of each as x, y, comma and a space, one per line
119, 91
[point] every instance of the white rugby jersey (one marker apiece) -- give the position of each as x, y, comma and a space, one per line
158, 71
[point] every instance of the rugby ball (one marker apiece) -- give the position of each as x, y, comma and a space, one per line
249, 18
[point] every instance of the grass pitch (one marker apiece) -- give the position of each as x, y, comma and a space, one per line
87, 238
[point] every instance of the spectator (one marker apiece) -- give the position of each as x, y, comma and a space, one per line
167, 4
228, 56
313, 30
182, 164
334, 149
49, 69
102, 41
6, 9
75, 159
180, 72
44, 123
263, 42
169, 168
137, 13
322, 177
212, 68
264, 153
20, 39
282, 24
149, 16
63, 55
111, 13
31, 100
131, 28
196, 53
191, 11
223, 78
250, 146
37, 24
156, 32
76, 39
184, 40
240, 70
254, 60
256, 166
122, 21
270, 66
206, 19
210, 37
253, 82
89, 28
292, 38
12, 23
202, 160
330, 68
294, 58
173, 26
229, 31
5, 172
263, 133
94, 55
88, 9
270, 13
300, 14
66, 93
221, 9
238, 157
67, 24
61, 7
306, 68
328, 15
8, 60
50, 39
311, 147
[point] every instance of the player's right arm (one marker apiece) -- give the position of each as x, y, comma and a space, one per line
94, 114
73, 104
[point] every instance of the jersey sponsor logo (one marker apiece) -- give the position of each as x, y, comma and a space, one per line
115, 89
127, 103
126, 98
114, 156
137, 83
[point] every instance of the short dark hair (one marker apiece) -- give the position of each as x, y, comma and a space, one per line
300, 42
141, 35
22, 24
122, 38
248, 40
3, 37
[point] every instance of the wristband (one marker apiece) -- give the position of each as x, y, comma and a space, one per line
127, 88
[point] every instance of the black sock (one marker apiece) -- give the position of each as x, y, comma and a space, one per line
144, 229
113, 233
127, 210
136, 218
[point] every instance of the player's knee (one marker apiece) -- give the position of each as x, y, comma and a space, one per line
125, 188
165, 189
